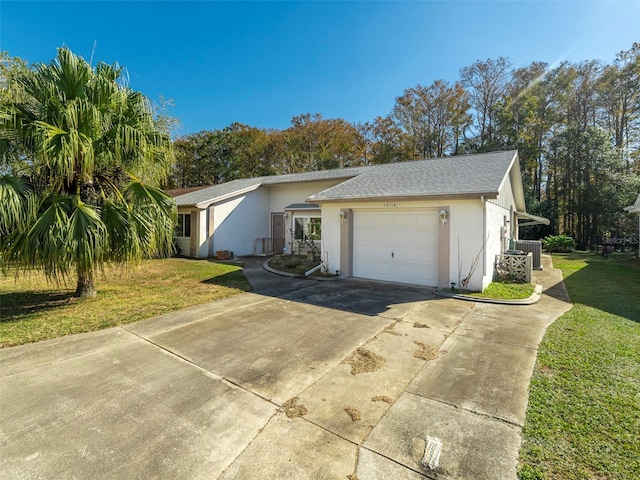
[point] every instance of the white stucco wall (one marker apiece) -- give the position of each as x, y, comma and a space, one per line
498, 234
465, 242
466, 227
240, 220
330, 244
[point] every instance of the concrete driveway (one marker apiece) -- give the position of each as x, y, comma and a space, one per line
298, 380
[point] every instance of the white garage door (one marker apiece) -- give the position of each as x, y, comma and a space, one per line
396, 246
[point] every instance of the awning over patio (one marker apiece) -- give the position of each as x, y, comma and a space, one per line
635, 208
528, 219
302, 206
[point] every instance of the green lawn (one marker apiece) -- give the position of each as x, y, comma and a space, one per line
506, 291
583, 420
32, 310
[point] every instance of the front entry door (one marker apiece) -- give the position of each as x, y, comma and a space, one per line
277, 232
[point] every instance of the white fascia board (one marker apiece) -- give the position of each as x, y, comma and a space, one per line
515, 175
444, 196
221, 198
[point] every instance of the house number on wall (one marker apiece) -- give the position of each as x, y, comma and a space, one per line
393, 204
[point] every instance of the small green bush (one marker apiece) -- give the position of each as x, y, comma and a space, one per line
292, 262
558, 244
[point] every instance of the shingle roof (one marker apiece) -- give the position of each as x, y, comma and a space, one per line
176, 192
318, 175
460, 175
218, 191
302, 206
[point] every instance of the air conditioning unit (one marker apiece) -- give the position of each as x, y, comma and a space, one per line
533, 246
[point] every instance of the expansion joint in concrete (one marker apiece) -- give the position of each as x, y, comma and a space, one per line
398, 463
474, 412
200, 367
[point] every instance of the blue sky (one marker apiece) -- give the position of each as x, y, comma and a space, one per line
261, 63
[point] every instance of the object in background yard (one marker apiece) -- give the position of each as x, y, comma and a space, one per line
223, 254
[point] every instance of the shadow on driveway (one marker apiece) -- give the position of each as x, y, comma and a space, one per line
367, 297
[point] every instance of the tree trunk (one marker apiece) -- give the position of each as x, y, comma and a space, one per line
86, 287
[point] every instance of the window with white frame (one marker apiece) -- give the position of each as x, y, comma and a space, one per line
183, 227
307, 228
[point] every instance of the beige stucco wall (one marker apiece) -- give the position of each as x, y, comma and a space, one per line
287, 194
281, 196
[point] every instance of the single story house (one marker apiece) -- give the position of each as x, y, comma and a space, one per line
635, 208
425, 222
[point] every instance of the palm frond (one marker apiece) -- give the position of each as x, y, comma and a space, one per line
80, 129
87, 237
154, 213
124, 243
17, 204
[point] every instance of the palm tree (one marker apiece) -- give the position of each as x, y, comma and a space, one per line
80, 152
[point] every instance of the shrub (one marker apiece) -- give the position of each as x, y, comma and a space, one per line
292, 262
558, 244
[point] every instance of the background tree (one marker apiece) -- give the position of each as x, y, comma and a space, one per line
382, 141
586, 184
205, 158
91, 156
524, 118
556, 118
619, 92
487, 83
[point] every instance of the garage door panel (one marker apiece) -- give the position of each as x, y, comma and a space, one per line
383, 253
427, 220
405, 271
404, 236
365, 252
382, 269
421, 256
366, 270
362, 234
382, 219
364, 220
407, 220
383, 237
405, 254
426, 237
411, 236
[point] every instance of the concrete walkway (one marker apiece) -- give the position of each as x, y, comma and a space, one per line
299, 379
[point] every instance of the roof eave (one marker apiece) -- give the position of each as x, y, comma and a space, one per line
457, 196
515, 176
268, 183
204, 204
222, 198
